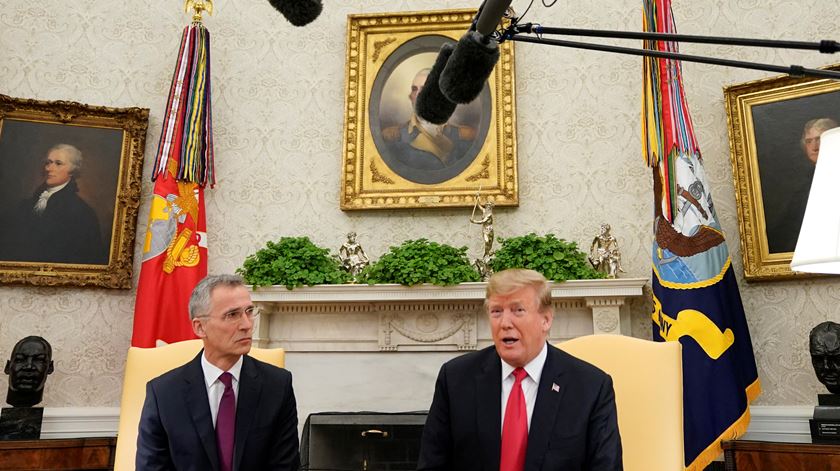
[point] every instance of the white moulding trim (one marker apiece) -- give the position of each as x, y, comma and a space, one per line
78, 422
780, 423
770, 423
426, 292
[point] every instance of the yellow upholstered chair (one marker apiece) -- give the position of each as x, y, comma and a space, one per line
647, 378
144, 364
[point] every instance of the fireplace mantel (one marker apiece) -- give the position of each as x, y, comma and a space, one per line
370, 318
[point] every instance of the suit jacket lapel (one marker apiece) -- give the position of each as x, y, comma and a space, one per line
198, 405
550, 393
250, 385
488, 403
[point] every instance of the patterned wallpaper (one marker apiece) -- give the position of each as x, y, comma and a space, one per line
278, 100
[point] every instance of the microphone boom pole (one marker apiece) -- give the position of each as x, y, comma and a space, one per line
824, 46
459, 74
793, 70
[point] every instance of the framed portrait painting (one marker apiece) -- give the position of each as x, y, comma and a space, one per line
394, 159
774, 129
69, 192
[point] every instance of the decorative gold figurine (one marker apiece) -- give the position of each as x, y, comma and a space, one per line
486, 221
352, 256
199, 6
604, 254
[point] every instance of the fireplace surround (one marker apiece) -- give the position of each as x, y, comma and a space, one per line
360, 347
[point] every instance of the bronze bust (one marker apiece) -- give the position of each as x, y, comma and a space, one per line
28, 367
825, 354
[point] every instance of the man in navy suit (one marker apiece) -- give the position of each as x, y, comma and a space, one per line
521, 405
222, 411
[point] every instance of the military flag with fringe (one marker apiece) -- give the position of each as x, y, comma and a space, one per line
695, 294
175, 248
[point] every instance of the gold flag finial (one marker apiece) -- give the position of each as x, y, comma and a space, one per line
199, 6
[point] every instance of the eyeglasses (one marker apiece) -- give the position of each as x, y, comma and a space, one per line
235, 316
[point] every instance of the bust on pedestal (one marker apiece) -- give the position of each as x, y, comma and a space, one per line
28, 367
825, 356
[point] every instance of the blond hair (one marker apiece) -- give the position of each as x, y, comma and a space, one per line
514, 279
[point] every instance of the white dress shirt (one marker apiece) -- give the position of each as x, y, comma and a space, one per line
215, 388
529, 383
44, 197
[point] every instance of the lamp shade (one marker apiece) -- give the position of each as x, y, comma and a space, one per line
818, 246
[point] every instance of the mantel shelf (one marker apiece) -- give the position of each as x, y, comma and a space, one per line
341, 318
463, 292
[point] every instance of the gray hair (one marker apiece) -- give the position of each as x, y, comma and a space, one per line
820, 124
74, 155
200, 298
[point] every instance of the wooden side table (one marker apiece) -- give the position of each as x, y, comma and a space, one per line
749, 455
61, 454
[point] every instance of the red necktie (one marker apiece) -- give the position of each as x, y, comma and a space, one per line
225, 423
515, 429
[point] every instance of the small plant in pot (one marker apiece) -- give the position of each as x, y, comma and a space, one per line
420, 261
555, 258
292, 262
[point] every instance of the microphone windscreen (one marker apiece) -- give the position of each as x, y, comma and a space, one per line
298, 12
468, 67
431, 104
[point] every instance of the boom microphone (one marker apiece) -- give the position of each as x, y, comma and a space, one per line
431, 105
298, 12
475, 56
490, 15
468, 68
459, 75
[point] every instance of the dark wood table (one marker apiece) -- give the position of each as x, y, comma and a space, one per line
59, 454
750, 455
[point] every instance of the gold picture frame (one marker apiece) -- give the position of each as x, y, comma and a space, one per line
383, 167
771, 166
84, 163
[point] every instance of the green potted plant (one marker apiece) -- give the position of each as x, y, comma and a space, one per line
292, 262
555, 258
421, 261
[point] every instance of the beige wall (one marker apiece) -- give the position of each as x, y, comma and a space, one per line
278, 114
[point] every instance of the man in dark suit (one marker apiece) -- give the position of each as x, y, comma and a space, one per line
521, 405
223, 410
54, 225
